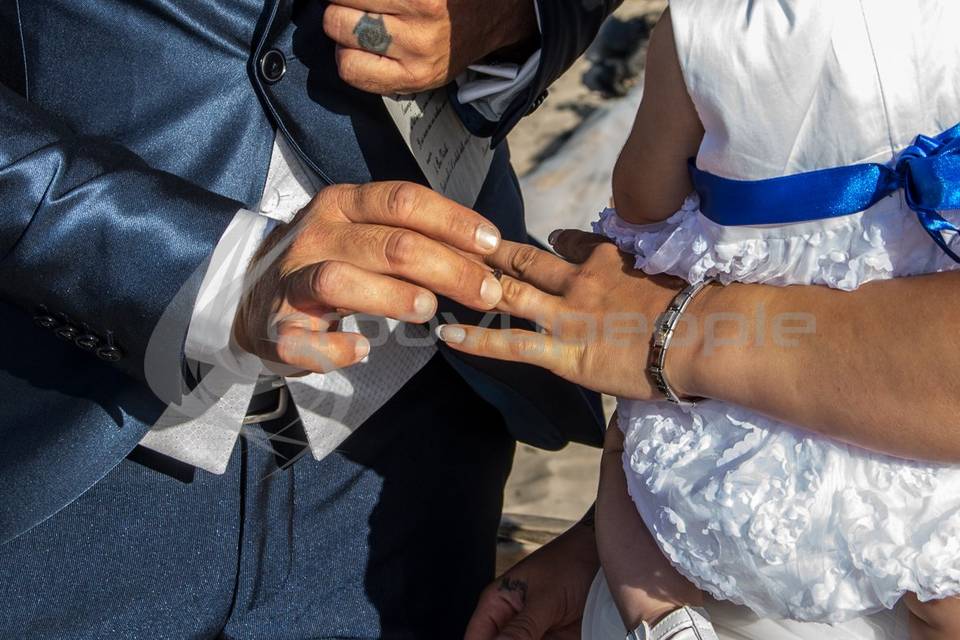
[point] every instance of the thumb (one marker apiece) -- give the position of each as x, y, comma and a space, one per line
575, 245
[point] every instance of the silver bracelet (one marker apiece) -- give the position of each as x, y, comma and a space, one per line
686, 623
663, 331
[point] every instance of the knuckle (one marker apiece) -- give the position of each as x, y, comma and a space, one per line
522, 259
518, 348
523, 347
419, 43
338, 354
587, 274
287, 350
433, 7
403, 199
349, 65
328, 199
512, 291
606, 251
468, 273
327, 279
440, 42
429, 73
483, 341
400, 249
416, 76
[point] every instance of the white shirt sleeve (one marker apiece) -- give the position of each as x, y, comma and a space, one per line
211, 326
490, 88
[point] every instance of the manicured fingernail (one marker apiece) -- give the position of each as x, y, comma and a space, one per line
487, 237
491, 291
554, 236
453, 335
361, 348
424, 305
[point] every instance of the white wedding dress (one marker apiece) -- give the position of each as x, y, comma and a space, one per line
775, 521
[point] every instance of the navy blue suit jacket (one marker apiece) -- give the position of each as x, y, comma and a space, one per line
131, 132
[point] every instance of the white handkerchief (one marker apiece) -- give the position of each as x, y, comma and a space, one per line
333, 405
204, 428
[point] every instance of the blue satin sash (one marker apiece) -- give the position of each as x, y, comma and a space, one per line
928, 171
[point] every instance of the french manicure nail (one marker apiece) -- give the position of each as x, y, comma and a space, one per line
423, 305
491, 291
487, 237
361, 348
453, 335
554, 236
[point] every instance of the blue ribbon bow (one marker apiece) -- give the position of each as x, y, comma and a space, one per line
928, 171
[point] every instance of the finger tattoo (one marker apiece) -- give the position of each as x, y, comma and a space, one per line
372, 34
514, 586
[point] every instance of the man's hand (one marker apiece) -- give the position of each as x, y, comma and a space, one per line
382, 249
543, 596
405, 46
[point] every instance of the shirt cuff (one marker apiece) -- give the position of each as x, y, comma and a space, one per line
490, 88
209, 337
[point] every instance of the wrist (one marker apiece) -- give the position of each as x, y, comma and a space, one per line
685, 360
646, 609
521, 36
722, 322
583, 537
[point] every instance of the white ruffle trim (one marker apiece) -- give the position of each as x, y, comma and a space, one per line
843, 253
790, 524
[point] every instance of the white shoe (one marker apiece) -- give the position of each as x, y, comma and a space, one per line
686, 623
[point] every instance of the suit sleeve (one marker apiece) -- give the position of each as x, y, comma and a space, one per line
96, 243
567, 27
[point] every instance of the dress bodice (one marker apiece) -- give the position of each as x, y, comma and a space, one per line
786, 86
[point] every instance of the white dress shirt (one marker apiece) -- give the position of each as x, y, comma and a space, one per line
202, 430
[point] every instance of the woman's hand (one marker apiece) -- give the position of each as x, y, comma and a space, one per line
597, 312
875, 367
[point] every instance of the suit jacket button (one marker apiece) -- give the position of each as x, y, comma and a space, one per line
45, 321
109, 354
87, 341
539, 101
67, 332
273, 66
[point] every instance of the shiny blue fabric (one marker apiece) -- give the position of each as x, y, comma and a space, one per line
928, 171
136, 131
132, 140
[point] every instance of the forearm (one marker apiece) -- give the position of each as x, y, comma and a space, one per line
872, 367
109, 246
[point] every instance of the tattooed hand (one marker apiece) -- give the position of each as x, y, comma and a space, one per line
405, 46
542, 597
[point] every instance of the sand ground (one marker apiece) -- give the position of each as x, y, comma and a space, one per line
559, 485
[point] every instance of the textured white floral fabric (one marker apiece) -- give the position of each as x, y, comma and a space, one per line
761, 513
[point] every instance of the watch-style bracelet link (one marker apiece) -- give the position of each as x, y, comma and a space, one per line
663, 331
686, 623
